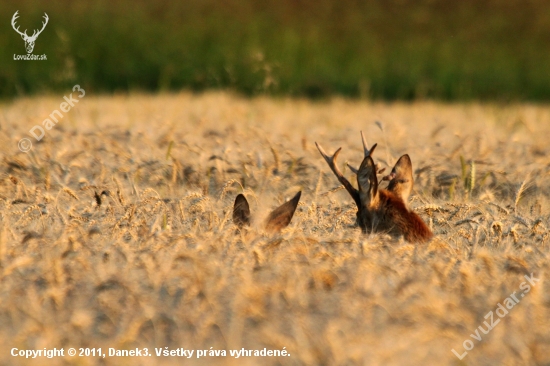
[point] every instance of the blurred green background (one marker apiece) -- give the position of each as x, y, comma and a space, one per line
379, 49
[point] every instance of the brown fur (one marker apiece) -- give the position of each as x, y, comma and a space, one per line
391, 215
380, 210
385, 211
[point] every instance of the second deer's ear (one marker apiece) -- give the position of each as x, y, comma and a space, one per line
241, 211
367, 182
281, 216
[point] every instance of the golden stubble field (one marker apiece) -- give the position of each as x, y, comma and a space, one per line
158, 263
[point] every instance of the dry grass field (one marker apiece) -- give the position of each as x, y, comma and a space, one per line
158, 262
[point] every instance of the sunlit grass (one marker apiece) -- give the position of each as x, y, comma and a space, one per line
159, 262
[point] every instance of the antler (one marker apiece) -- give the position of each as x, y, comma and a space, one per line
35, 34
366, 147
367, 152
13, 19
331, 161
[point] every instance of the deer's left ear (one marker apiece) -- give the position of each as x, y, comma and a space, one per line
241, 211
367, 182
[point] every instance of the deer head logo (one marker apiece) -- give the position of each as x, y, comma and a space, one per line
29, 40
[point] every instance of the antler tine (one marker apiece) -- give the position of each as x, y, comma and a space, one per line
43, 24
46, 18
13, 20
331, 161
366, 150
354, 170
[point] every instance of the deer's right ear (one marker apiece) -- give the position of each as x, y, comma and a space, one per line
367, 182
401, 178
403, 167
241, 211
281, 216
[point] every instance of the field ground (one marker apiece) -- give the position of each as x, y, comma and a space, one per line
158, 262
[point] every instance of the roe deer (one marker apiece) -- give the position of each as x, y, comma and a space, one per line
277, 220
382, 210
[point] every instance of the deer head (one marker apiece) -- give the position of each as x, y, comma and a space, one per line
380, 210
29, 40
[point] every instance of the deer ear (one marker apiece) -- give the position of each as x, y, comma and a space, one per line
281, 216
367, 182
403, 167
402, 180
241, 211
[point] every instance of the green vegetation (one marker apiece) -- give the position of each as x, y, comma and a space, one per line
397, 49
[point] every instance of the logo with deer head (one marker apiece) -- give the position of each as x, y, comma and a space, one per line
29, 40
